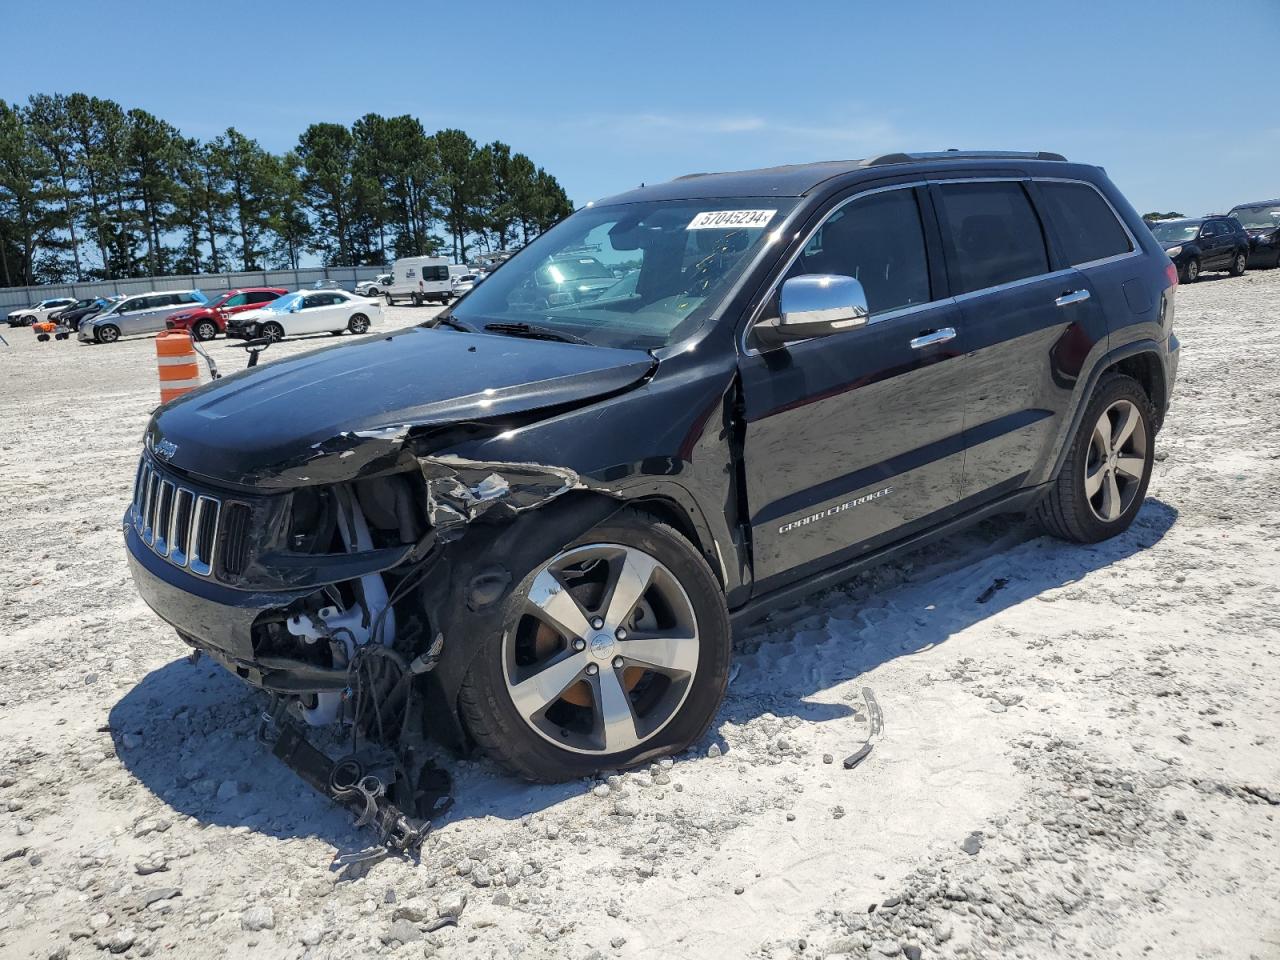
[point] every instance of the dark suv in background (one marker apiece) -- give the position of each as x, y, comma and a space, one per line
1197, 244
531, 521
1261, 221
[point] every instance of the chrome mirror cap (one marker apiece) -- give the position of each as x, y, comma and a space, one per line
816, 305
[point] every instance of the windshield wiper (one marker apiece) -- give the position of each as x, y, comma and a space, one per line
532, 332
446, 321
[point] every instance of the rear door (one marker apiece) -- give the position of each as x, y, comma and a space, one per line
1016, 310
853, 439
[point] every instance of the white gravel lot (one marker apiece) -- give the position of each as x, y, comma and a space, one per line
1081, 763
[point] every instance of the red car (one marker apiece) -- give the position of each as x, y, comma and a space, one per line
207, 321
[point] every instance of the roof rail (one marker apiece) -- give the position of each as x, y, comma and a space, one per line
888, 158
691, 176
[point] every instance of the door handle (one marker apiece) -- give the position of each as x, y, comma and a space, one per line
941, 335
1072, 296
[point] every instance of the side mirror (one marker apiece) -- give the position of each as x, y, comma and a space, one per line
815, 305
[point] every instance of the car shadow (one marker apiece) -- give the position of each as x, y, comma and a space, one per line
187, 731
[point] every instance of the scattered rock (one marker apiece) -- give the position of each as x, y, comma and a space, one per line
258, 918
972, 844
401, 931
713, 750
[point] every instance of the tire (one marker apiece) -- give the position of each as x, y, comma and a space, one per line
205, 330
42, 337
390, 302
107, 334
1239, 263
1070, 511
417, 300
358, 323
273, 331
1190, 273
565, 736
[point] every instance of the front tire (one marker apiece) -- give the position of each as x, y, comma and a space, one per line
613, 651
1238, 265
390, 302
108, 334
205, 330
358, 323
1191, 272
1104, 480
273, 331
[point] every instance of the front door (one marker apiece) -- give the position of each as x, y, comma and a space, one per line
852, 440
1215, 245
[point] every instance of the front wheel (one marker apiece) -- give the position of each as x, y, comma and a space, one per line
206, 330
1238, 264
613, 651
1104, 480
359, 323
1191, 272
108, 334
390, 302
273, 331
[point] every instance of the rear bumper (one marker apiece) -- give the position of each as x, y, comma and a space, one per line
211, 615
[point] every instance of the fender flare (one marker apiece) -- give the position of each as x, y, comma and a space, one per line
1105, 363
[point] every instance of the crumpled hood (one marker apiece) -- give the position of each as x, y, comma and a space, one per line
335, 413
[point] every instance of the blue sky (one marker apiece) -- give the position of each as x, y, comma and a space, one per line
1178, 99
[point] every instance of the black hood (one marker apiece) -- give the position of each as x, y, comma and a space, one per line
336, 413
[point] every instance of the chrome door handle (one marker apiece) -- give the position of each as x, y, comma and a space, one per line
1073, 296
933, 337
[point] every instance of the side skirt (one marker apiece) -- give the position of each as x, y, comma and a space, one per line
1016, 502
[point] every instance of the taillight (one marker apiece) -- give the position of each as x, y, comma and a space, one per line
1171, 274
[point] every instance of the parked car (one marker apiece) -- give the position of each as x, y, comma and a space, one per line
1197, 244
463, 283
143, 313
559, 509
1261, 221
328, 284
375, 287
210, 319
25, 316
71, 316
420, 280
308, 311
565, 280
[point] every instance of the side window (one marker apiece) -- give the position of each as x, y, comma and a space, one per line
1083, 222
879, 241
1212, 229
313, 301
239, 300
992, 235
263, 297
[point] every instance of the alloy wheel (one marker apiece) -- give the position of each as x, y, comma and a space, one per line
1193, 271
1116, 461
604, 652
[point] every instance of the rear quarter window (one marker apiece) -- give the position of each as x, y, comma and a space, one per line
1083, 222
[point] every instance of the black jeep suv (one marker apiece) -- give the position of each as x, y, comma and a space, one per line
562, 504
1203, 243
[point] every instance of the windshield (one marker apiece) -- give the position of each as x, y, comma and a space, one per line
681, 257
283, 304
1266, 217
1176, 231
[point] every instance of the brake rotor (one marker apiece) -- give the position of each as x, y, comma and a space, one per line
547, 642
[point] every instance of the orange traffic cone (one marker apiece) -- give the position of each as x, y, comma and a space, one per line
176, 359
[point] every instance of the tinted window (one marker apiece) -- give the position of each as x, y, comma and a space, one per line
1213, 228
877, 240
1083, 221
435, 273
239, 300
992, 235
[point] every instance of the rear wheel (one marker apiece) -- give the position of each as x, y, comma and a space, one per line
1104, 480
358, 323
206, 330
614, 650
390, 302
273, 331
108, 334
1238, 264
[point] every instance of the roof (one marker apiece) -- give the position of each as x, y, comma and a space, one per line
797, 180
1256, 203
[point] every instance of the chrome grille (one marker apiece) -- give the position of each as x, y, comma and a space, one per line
176, 522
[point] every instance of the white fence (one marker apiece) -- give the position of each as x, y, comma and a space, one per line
11, 297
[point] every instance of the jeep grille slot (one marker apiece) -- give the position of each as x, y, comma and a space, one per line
178, 523
235, 542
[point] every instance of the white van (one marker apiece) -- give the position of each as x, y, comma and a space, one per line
420, 279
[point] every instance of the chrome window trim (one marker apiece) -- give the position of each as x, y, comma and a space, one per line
1136, 250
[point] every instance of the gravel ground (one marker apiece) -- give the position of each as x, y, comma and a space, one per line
1078, 755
